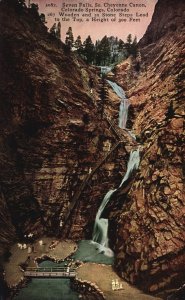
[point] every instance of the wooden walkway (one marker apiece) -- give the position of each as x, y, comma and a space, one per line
55, 272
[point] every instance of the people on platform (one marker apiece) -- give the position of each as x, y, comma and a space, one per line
41, 242
116, 285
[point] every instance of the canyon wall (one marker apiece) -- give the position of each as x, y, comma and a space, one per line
53, 137
148, 234
52, 133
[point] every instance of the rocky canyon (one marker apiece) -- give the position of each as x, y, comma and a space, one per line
149, 243
60, 154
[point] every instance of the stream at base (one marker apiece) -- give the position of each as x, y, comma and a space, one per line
59, 288
89, 251
47, 289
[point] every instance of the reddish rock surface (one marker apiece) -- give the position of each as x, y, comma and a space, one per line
148, 236
51, 133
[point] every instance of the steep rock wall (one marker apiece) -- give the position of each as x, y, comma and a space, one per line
51, 130
7, 229
149, 240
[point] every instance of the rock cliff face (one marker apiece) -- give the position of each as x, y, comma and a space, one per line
57, 151
149, 239
52, 134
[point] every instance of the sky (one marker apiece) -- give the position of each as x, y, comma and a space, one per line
131, 23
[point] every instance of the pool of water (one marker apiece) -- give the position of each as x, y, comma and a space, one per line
91, 252
48, 288
59, 288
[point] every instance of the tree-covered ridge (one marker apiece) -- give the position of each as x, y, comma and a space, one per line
108, 50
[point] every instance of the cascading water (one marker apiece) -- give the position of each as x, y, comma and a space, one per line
100, 231
133, 164
133, 136
124, 104
105, 69
123, 113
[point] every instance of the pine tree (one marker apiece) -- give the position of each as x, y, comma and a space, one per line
34, 8
89, 50
78, 42
120, 45
135, 40
69, 38
129, 39
104, 51
58, 31
78, 45
129, 44
53, 30
43, 18
134, 47
98, 55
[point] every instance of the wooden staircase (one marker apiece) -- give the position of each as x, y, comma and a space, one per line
98, 165
85, 181
129, 142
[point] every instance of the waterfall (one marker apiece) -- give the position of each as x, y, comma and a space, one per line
133, 136
100, 232
105, 69
101, 224
124, 104
123, 113
118, 90
133, 164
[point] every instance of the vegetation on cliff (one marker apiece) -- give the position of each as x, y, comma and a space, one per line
53, 137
